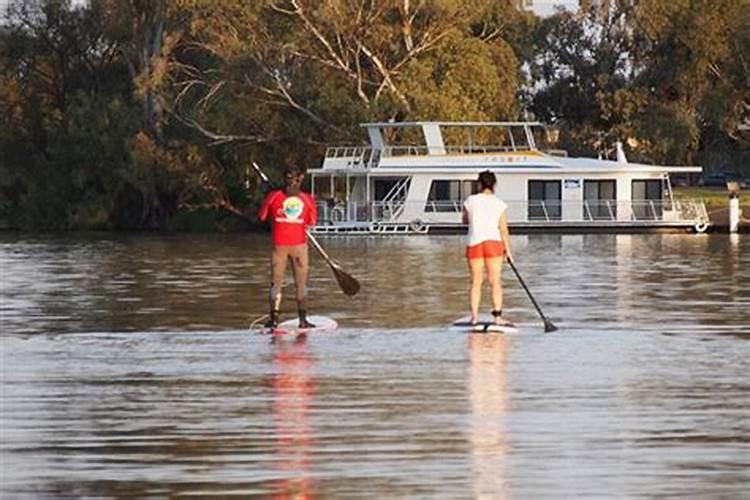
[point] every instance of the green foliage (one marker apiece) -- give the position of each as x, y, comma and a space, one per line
133, 115
667, 77
465, 80
66, 147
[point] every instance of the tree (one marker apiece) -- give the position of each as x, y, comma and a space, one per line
63, 152
656, 74
580, 76
272, 78
692, 55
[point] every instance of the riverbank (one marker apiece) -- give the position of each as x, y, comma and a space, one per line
715, 198
717, 205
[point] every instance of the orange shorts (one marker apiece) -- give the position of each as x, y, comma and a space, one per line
486, 250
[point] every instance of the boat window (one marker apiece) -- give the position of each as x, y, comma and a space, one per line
468, 188
544, 200
599, 198
382, 187
646, 196
647, 189
449, 195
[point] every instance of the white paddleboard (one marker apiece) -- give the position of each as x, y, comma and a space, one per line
291, 326
485, 324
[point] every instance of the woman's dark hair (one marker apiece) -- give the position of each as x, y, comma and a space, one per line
487, 180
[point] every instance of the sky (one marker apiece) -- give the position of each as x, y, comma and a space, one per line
547, 7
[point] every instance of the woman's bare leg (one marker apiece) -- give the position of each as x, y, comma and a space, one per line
494, 276
476, 268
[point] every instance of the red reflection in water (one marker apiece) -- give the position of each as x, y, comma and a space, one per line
294, 391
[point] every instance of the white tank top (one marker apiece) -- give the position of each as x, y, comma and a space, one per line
484, 217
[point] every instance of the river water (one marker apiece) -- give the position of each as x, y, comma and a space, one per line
128, 371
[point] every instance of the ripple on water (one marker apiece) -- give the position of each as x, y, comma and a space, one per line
131, 373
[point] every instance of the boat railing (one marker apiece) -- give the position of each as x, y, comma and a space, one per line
532, 211
475, 149
346, 213
353, 157
346, 151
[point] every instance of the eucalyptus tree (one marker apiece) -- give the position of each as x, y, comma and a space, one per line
663, 76
693, 63
65, 102
277, 79
580, 76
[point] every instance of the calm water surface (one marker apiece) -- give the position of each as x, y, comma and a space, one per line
127, 370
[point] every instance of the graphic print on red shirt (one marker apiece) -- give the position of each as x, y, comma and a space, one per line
290, 215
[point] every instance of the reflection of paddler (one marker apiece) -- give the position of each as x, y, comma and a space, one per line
293, 390
489, 405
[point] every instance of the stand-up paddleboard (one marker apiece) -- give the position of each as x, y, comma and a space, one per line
291, 326
485, 324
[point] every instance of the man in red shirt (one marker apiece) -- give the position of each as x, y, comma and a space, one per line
290, 211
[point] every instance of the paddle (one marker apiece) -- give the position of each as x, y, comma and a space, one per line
346, 281
548, 325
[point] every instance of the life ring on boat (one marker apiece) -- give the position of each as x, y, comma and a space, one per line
417, 226
374, 226
701, 227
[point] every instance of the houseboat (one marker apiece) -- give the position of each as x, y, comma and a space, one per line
415, 176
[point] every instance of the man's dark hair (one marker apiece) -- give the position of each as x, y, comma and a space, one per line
487, 180
295, 169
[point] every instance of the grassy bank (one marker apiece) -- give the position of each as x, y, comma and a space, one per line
713, 197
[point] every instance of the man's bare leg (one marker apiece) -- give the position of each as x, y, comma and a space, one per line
278, 269
301, 268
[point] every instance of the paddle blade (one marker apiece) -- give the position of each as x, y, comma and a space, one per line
346, 281
549, 327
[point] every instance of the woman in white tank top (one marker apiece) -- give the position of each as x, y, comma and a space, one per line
488, 244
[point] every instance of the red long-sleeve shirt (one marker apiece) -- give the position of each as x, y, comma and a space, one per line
290, 215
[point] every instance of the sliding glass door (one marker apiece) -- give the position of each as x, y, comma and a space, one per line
449, 195
647, 199
544, 200
599, 200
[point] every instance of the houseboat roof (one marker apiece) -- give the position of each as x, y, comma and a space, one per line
514, 149
451, 124
597, 164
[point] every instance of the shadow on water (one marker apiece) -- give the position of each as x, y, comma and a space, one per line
162, 391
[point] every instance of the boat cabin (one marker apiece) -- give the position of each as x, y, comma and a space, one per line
414, 177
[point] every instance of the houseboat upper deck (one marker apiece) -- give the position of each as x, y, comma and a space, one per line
414, 177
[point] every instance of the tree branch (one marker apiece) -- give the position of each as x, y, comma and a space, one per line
215, 137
